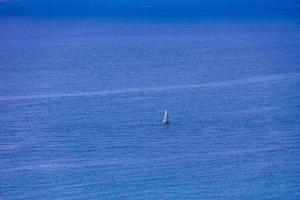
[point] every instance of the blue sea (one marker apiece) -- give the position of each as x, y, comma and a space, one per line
82, 101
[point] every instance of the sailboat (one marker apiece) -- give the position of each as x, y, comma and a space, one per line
166, 117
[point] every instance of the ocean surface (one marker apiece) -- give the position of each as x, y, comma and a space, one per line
82, 101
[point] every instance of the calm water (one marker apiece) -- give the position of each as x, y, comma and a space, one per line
81, 104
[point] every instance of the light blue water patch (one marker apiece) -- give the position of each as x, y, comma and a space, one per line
81, 107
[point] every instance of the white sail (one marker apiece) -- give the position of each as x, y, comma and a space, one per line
166, 117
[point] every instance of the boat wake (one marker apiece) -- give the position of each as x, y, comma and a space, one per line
273, 78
